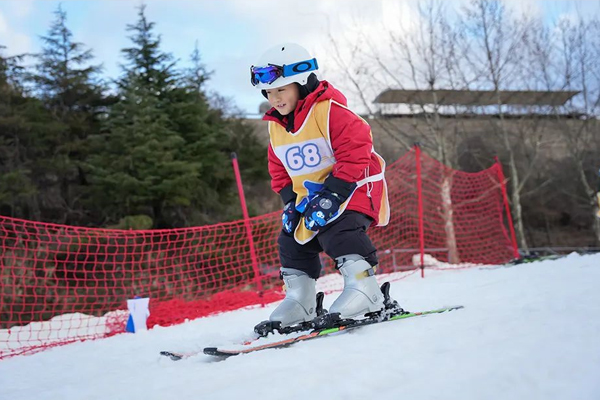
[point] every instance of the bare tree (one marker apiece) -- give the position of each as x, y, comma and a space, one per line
361, 80
485, 46
423, 57
495, 50
576, 66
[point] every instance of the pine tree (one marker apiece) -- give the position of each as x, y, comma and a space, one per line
165, 151
201, 127
15, 181
24, 125
197, 75
66, 81
139, 165
212, 137
70, 88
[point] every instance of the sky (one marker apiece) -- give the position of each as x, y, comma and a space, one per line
231, 34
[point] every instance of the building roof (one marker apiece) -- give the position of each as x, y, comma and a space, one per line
474, 97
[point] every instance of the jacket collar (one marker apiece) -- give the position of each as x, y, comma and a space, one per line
293, 121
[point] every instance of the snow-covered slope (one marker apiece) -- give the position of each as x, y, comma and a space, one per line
527, 332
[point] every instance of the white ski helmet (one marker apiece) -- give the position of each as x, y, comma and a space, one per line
281, 65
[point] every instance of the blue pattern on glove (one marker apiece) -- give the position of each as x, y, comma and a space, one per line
312, 190
321, 209
290, 217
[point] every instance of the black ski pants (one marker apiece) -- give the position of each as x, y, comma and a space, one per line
346, 235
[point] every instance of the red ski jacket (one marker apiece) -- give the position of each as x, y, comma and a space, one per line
352, 144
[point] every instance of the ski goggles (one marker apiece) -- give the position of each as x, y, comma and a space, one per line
271, 72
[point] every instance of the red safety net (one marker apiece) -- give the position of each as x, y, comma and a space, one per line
61, 284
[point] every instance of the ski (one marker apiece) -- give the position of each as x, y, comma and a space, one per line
288, 341
316, 333
176, 356
323, 325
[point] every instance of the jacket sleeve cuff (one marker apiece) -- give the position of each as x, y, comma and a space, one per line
287, 194
339, 186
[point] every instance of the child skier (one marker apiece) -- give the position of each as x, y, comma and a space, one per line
323, 165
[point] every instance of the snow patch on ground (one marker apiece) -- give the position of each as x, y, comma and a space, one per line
529, 331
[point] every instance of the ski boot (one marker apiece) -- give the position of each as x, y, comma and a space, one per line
298, 307
390, 309
361, 294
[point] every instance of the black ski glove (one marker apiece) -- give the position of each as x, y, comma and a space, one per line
290, 217
326, 204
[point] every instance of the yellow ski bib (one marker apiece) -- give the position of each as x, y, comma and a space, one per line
307, 156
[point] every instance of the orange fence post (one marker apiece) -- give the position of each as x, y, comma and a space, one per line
420, 208
238, 178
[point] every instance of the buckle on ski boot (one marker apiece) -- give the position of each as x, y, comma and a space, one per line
320, 310
391, 306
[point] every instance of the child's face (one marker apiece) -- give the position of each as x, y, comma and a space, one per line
284, 98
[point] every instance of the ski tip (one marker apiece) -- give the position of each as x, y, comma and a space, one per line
451, 308
215, 352
210, 350
171, 355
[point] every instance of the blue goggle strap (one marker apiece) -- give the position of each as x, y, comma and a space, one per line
300, 67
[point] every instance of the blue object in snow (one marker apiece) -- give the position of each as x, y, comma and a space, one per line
138, 314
